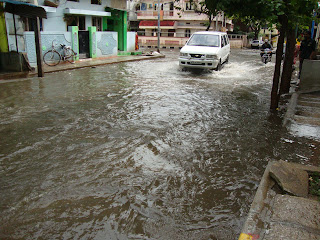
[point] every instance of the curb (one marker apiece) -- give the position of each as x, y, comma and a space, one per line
254, 223
258, 217
78, 65
291, 109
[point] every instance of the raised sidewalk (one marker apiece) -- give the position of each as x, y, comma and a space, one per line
283, 208
82, 63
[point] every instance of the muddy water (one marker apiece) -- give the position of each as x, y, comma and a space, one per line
138, 150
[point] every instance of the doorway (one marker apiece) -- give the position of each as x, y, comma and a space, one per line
84, 49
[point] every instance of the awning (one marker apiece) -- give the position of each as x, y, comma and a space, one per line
117, 9
49, 9
24, 9
86, 12
154, 23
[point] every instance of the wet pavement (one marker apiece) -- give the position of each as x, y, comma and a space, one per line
284, 207
82, 63
139, 150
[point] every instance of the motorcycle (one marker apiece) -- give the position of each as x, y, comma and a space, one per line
266, 55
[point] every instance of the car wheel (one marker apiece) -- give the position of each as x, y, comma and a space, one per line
218, 68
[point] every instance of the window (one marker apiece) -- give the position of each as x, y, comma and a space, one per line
154, 32
189, 6
28, 24
97, 22
82, 23
79, 21
143, 6
96, 2
171, 32
226, 39
171, 6
223, 43
187, 33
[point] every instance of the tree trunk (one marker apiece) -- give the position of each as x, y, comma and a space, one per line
277, 71
288, 62
210, 21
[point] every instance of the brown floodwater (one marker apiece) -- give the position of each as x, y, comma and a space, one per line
138, 150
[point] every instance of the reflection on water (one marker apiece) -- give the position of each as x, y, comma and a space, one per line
137, 150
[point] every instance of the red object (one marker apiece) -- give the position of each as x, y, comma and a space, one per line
296, 53
153, 23
137, 39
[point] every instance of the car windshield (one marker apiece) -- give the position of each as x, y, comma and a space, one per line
207, 40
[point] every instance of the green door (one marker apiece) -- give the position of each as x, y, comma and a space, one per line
117, 22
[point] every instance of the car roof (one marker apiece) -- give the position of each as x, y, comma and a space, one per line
211, 32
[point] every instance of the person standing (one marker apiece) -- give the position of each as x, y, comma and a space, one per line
307, 49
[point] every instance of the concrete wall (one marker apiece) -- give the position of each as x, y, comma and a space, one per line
131, 41
107, 44
55, 22
310, 78
175, 42
46, 43
118, 4
12, 62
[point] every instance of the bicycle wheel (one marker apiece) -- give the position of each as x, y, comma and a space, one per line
69, 55
51, 58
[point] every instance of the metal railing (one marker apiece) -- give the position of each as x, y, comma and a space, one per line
149, 13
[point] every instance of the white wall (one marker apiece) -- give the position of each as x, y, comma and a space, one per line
54, 21
131, 41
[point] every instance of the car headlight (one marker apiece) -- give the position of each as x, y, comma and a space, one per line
184, 54
212, 56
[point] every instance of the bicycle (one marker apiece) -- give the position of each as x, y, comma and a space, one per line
53, 57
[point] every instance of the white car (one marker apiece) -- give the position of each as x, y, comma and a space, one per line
206, 50
256, 44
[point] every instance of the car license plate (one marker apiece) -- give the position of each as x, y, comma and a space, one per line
196, 63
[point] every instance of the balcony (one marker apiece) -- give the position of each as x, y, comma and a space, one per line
167, 15
170, 15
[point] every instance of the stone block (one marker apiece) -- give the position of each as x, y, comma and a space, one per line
290, 178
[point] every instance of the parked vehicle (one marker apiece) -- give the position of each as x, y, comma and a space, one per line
256, 44
266, 55
53, 56
205, 50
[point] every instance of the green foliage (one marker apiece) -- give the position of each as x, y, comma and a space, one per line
314, 184
297, 11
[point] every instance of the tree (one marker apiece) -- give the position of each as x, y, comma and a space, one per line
287, 14
252, 24
200, 7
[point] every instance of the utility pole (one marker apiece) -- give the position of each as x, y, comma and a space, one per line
37, 34
158, 26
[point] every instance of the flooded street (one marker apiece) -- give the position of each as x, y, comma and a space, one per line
138, 150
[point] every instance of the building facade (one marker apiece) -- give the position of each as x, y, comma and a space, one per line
178, 21
93, 28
